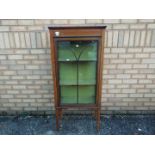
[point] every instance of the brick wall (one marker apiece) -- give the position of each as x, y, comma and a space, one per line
25, 69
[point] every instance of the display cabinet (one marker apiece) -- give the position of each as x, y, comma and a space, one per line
77, 64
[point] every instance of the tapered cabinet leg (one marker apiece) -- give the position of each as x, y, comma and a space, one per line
98, 119
60, 114
57, 119
95, 114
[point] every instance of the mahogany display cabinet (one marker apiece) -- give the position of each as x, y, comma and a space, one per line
77, 64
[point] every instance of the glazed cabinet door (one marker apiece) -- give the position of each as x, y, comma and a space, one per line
77, 70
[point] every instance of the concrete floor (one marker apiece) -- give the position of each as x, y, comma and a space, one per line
78, 125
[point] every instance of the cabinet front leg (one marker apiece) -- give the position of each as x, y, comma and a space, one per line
98, 119
95, 114
57, 119
61, 114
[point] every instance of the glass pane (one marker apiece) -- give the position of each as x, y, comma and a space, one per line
87, 73
67, 73
70, 50
68, 94
86, 94
65, 53
77, 71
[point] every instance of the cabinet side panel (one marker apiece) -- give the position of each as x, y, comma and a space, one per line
54, 68
102, 62
100, 70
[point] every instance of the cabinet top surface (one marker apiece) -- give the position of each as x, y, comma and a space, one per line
76, 27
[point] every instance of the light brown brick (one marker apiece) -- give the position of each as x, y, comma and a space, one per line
130, 81
120, 26
143, 38
30, 57
33, 77
15, 57
142, 55
123, 76
25, 22
60, 21
151, 26
27, 39
131, 39
153, 39
146, 20
145, 81
22, 40
115, 81
136, 95
44, 39
140, 66
133, 61
77, 21
111, 21
2, 44
148, 61
149, 50
137, 26
120, 38
149, 95
126, 39
32, 67
139, 76
9, 22
6, 40
129, 21
17, 40
127, 56
18, 28
109, 43
94, 21
129, 91
9, 72
111, 55
124, 66
3, 57
4, 28
150, 76
137, 38
42, 21
33, 40
35, 28
115, 38
12, 41
143, 91
135, 50
148, 38
117, 61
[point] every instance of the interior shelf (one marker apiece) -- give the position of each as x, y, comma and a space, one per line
88, 100
74, 84
90, 82
65, 61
